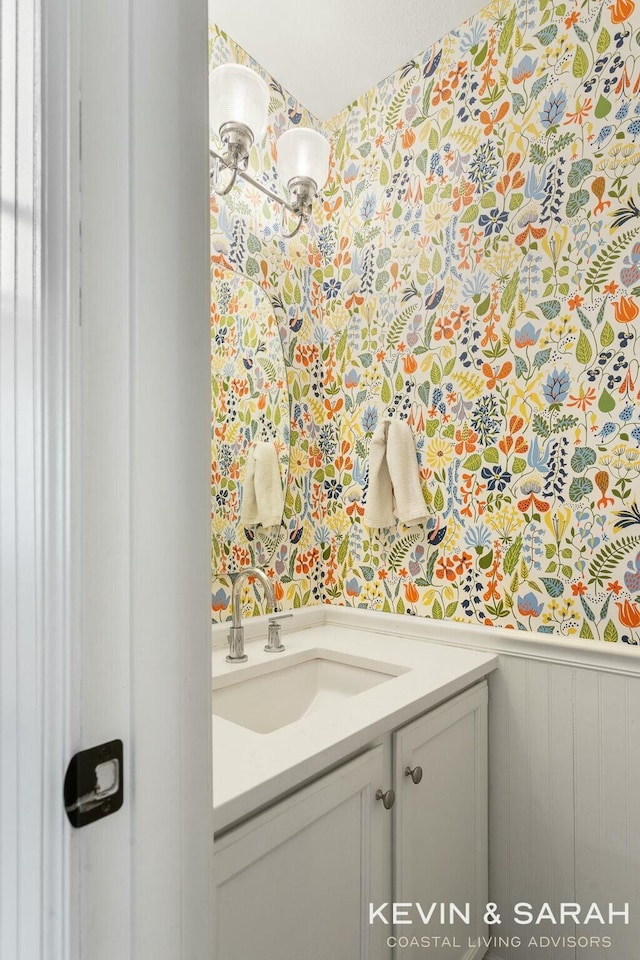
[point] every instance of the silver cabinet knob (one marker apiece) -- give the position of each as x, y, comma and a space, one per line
415, 773
388, 798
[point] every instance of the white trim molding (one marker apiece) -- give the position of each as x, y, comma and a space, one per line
22, 629
550, 648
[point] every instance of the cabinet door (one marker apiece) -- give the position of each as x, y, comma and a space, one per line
440, 824
296, 881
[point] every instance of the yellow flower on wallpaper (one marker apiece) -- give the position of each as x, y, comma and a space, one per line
439, 453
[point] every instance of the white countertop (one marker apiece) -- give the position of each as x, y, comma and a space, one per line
250, 770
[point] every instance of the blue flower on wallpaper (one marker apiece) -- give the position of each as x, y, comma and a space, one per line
494, 221
484, 165
352, 587
526, 335
331, 288
528, 605
327, 242
368, 206
352, 379
219, 600
534, 186
351, 172
485, 419
634, 128
531, 274
496, 477
333, 488
478, 536
557, 386
477, 285
536, 458
473, 37
524, 69
369, 419
327, 441
321, 535
554, 109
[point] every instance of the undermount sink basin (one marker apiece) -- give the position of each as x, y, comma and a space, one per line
277, 697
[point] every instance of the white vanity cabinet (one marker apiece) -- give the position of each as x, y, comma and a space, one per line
296, 880
440, 828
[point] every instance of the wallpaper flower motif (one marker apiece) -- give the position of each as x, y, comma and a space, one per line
480, 261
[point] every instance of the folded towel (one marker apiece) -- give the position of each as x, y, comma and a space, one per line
405, 474
378, 510
263, 496
394, 478
249, 516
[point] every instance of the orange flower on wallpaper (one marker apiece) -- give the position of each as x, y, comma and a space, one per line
629, 613
240, 386
489, 121
626, 309
621, 10
411, 592
333, 407
306, 354
511, 443
462, 195
408, 138
409, 363
493, 375
584, 399
466, 440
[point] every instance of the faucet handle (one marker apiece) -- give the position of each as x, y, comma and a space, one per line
274, 643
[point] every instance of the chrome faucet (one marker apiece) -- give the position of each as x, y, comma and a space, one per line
236, 633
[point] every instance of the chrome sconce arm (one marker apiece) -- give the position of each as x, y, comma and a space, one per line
302, 189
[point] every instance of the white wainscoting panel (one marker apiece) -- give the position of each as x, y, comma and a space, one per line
564, 785
564, 777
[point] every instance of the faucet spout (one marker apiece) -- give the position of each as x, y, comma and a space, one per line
236, 633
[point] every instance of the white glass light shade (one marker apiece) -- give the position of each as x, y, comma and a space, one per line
238, 95
303, 152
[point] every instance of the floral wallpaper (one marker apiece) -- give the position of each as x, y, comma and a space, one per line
246, 235
250, 404
480, 264
474, 268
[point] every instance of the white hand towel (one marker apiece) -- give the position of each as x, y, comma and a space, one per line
249, 514
263, 496
378, 510
402, 461
269, 492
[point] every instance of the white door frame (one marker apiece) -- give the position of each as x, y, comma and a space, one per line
104, 493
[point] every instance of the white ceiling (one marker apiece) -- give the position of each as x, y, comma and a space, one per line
327, 53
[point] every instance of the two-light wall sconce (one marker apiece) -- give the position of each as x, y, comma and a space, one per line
238, 110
